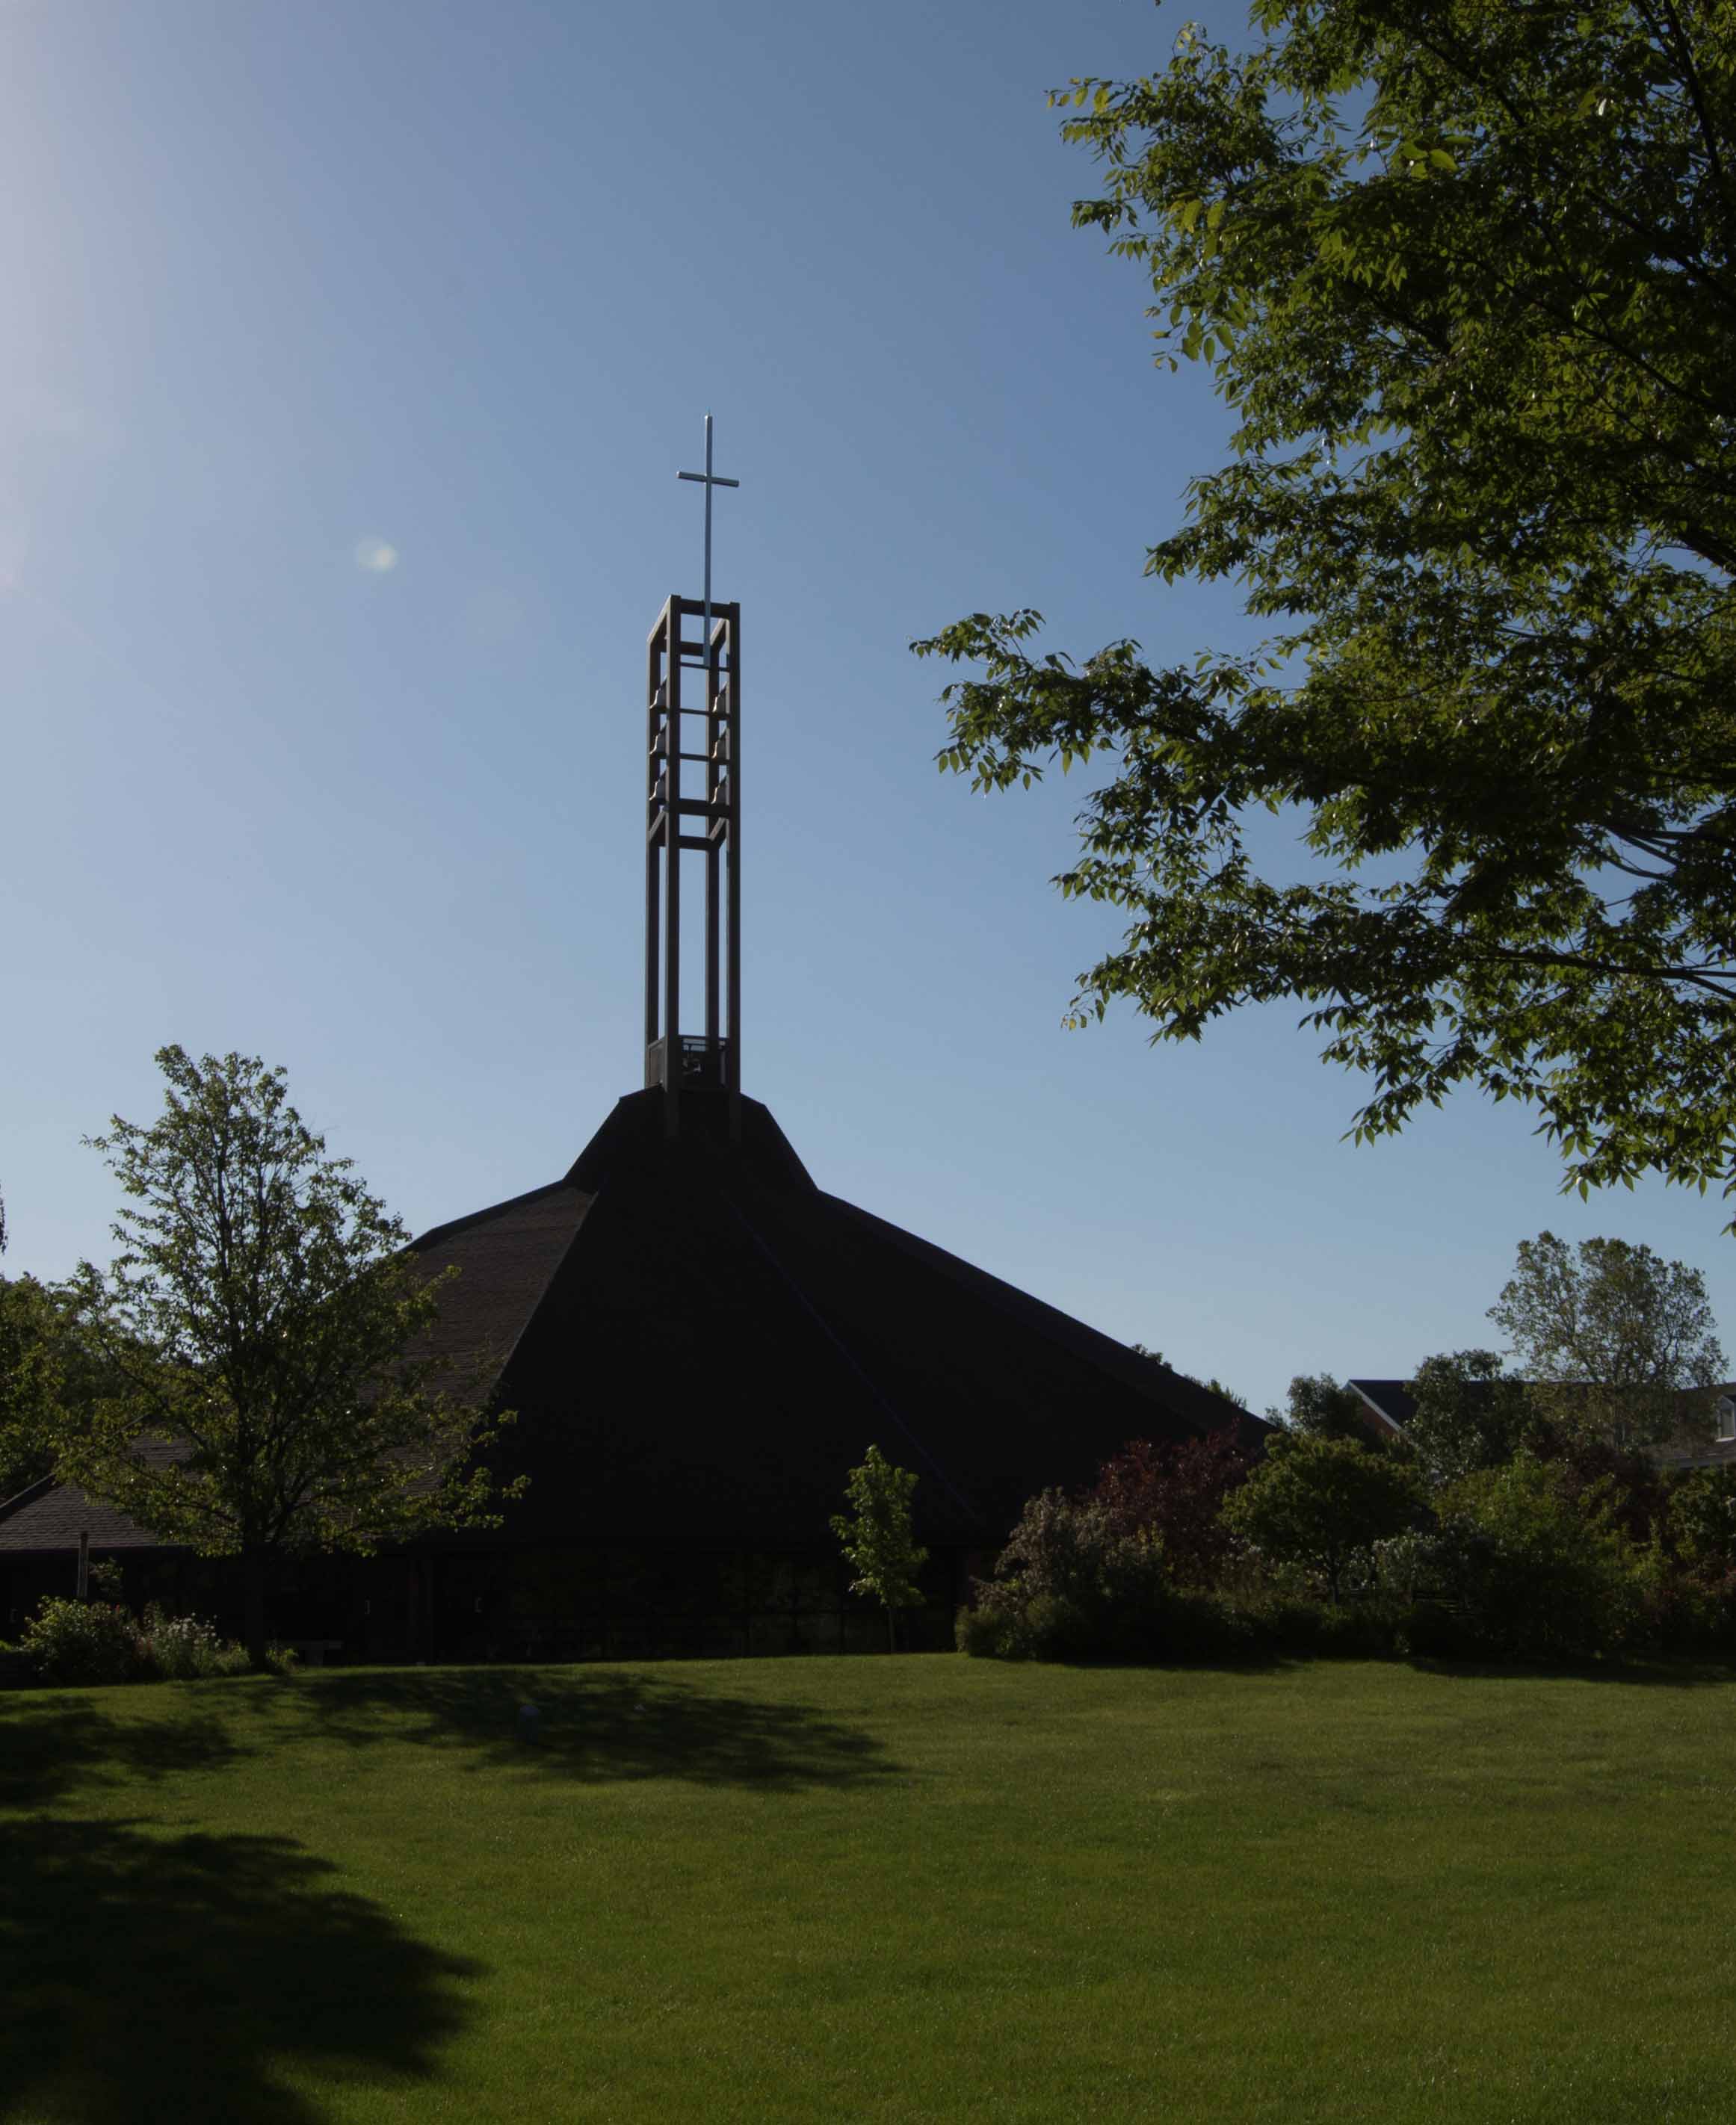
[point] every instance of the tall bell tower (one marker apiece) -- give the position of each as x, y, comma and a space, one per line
693, 810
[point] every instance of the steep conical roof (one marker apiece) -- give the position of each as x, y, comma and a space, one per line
700, 1343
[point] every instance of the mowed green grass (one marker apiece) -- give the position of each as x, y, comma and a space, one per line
921, 1888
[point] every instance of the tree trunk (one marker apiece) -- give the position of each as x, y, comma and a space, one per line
891, 1629
252, 1578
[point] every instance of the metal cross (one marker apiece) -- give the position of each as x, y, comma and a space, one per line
709, 480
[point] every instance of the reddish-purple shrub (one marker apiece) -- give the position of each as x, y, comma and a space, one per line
1173, 1491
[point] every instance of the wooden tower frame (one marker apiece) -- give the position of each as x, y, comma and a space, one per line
708, 825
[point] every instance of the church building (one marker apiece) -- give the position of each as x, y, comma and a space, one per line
699, 1342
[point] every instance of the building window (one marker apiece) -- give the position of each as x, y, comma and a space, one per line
1726, 1417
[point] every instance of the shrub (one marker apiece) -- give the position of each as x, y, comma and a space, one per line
85, 1642
187, 1649
1437, 1630
1173, 1492
1323, 1503
98, 1642
1068, 1586
983, 1631
1701, 1512
1528, 1569
1271, 1620
1700, 1614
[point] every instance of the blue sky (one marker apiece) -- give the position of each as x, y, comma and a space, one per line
297, 291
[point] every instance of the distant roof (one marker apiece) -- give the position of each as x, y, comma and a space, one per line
1391, 1399
1394, 1401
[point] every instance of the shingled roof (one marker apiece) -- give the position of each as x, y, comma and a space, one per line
700, 1343
50, 1516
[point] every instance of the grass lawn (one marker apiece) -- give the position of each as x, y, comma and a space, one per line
870, 1889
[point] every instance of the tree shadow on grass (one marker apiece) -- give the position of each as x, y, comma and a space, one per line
51, 1746
589, 1726
189, 1979
1679, 1674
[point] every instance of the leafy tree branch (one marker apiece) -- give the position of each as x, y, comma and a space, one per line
1478, 335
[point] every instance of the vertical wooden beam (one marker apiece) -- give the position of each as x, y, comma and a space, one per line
672, 875
733, 624
720, 710
713, 725
655, 647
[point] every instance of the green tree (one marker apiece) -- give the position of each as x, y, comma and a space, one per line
28, 1378
1463, 272
1323, 1503
1318, 1407
260, 1319
876, 1536
32, 1378
1471, 1413
52, 1374
1617, 1338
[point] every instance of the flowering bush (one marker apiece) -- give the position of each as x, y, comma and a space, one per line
1071, 1585
186, 1649
98, 1642
84, 1641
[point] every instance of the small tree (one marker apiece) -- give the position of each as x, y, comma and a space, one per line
257, 1319
1322, 1502
876, 1539
1618, 1338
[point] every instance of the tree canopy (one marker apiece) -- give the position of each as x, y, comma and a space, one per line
260, 1320
1470, 1413
1317, 1406
32, 1380
1322, 1503
1463, 272
1618, 1338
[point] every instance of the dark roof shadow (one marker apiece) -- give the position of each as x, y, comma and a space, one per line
588, 1725
153, 1977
